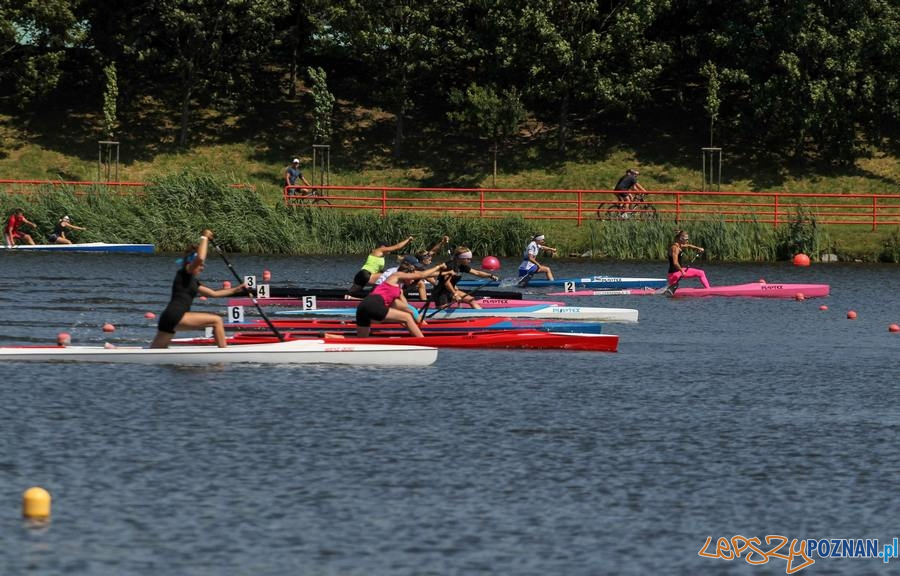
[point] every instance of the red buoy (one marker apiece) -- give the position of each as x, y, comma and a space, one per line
490, 263
801, 260
149, 315
63, 339
109, 327
851, 315
800, 296
267, 276
226, 284
823, 307
893, 328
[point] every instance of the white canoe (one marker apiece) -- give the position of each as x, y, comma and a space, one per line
290, 352
539, 311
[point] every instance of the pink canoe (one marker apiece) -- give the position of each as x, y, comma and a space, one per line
353, 303
749, 290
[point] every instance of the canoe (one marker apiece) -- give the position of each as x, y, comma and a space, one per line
353, 303
312, 351
593, 282
539, 312
339, 293
87, 247
311, 326
749, 290
521, 339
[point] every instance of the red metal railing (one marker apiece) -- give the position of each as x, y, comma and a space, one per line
580, 206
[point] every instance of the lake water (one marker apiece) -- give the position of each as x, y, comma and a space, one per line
716, 418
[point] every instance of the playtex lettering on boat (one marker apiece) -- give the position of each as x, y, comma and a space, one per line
799, 554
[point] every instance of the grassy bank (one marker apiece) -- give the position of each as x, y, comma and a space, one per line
176, 207
257, 222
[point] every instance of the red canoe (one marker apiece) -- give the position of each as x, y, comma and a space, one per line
525, 339
442, 326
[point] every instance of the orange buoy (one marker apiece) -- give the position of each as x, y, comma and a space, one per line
149, 315
800, 296
851, 315
801, 260
109, 327
267, 276
63, 339
823, 307
893, 328
226, 284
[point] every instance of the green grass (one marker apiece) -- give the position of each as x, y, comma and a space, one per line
28, 152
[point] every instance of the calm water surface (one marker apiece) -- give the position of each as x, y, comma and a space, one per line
717, 417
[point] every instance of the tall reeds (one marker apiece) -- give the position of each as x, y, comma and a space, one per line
175, 208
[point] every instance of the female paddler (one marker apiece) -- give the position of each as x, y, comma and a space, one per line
445, 291
374, 265
186, 287
386, 302
677, 268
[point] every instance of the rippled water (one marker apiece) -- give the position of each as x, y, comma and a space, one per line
717, 417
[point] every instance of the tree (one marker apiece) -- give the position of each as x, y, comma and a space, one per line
34, 38
110, 95
491, 114
323, 105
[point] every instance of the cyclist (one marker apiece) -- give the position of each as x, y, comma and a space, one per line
291, 174
624, 188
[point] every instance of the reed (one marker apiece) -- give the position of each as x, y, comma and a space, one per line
175, 208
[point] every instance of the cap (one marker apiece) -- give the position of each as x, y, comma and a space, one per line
295, 161
66, 218
414, 262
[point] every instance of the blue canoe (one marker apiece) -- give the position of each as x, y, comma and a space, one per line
86, 247
593, 282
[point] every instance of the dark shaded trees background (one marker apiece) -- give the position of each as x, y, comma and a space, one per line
806, 81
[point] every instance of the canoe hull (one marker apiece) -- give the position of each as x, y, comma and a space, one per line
537, 312
353, 303
749, 290
523, 339
313, 326
313, 351
593, 282
86, 247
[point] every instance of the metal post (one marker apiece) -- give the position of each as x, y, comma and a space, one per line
321, 164
105, 169
712, 176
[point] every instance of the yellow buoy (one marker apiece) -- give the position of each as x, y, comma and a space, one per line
36, 503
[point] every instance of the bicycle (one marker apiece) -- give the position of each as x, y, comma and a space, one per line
309, 197
640, 209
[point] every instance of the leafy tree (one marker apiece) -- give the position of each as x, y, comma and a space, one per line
323, 106
110, 95
34, 38
493, 115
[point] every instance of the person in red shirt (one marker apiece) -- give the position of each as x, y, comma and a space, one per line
11, 231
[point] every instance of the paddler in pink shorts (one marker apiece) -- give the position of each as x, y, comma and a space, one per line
677, 269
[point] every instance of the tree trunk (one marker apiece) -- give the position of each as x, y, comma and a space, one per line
562, 134
186, 107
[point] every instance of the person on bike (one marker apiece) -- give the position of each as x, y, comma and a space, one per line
291, 174
624, 188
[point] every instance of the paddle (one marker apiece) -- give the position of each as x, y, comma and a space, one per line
472, 293
670, 289
252, 297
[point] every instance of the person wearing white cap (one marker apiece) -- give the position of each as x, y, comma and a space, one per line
530, 265
291, 174
59, 231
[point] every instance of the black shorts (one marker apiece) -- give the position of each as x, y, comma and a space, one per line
623, 195
371, 308
170, 318
362, 278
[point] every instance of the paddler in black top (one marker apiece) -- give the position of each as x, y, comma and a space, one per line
186, 287
445, 290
